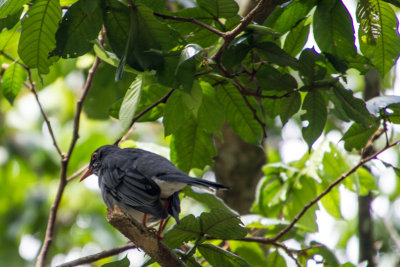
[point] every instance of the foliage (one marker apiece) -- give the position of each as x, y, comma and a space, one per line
193, 67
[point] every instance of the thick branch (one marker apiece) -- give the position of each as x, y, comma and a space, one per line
144, 239
98, 256
191, 20
329, 188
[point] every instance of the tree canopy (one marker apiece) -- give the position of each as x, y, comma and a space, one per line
214, 85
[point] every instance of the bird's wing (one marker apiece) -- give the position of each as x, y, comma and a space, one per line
130, 187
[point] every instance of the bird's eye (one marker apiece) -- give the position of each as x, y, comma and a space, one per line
94, 155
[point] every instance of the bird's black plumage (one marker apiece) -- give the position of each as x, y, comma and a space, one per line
141, 182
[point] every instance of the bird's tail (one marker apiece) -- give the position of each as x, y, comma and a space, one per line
197, 182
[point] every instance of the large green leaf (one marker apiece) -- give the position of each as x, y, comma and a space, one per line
211, 201
315, 106
286, 17
38, 34
10, 21
269, 78
273, 53
378, 34
333, 28
119, 263
289, 106
219, 8
311, 66
222, 223
188, 229
176, 113
187, 66
354, 107
9, 7
192, 147
357, 136
251, 252
13, 80
210, 114
217, 257
331, 201
131, 102
79, 26
296, 39
239, 115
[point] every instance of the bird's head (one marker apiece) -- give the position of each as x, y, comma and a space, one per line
97, 158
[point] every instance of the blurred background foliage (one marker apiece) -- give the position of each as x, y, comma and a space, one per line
294, 175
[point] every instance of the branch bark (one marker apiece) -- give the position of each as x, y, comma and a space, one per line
144, 239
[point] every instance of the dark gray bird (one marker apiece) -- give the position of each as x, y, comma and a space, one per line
143, 184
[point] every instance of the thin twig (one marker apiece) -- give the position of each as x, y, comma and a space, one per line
98, 256
64, 166
289, 252
31, 87
328, 189
191, 20
141, 114
229, 36
77, 173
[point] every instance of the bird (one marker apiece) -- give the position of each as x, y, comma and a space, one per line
143, 184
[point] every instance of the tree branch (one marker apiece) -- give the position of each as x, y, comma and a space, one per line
31, 87
328, 189
191, 20
143, 238
141, 114
229, 36
64, 166
98, 256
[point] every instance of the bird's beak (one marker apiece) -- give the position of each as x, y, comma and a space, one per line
88, 173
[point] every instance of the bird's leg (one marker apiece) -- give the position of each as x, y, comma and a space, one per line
144, 219
161, 227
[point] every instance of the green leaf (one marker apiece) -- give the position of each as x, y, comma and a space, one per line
315, 106
354, 108
275, 260
79, 27
235, 53
187, 66
13, 80
331, 201
210, 114
251, 252
329, 258
192, 147
273, 53
311, 66
333, 29
219, 8
378, 34
286, 17
111, 58
38, 34
289, 106
10, 7
366, 180
296, 39
222, 223
176, 113
269, 78
121, 263
130, 102
187, 230
357, 136
10, 21
299, 196
104, 92
216, 256
239, 115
